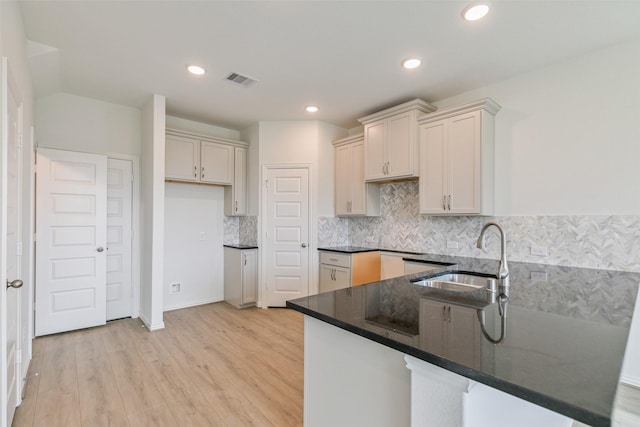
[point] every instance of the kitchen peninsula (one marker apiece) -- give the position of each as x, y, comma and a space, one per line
559, 345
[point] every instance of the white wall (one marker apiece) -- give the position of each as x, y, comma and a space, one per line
190, 212
76, 123
152, 212
567, 136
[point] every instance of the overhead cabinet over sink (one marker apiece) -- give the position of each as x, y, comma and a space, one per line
390, 141
456, 160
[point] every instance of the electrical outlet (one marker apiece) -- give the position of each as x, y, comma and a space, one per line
176, 288
203, 236
538, 276
452, 244
539, 250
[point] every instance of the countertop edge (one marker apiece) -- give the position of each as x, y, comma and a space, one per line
564, 408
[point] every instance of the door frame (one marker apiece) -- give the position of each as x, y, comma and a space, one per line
262, 225
135, 229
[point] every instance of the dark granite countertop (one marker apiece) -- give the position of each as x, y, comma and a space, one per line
348, 249
241, 246
566, 329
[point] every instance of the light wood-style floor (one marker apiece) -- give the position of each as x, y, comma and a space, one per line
213, 365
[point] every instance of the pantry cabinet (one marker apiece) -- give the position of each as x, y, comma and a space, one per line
456, 160
390, 141
353, 196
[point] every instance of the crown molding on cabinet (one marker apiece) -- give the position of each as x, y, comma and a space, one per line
202, 137
487, 104
413, 105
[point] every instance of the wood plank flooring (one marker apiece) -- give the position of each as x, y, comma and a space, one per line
213, 365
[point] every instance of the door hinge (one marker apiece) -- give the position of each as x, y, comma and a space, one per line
19, 248
35, 168
19, 141
266, 183
34, 237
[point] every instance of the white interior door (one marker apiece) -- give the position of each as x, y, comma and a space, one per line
10, 247
119, 192
71, 224
287, 235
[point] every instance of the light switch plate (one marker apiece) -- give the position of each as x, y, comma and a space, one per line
452, 244
539, 250
538, 276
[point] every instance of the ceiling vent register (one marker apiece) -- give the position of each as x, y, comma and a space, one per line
241, 80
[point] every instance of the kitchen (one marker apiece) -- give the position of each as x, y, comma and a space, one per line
557, 125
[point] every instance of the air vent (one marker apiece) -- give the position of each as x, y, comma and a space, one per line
241, 80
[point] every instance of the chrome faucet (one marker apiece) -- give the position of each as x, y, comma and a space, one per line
503, 269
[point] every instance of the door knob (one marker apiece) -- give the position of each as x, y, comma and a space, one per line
15, 284
99, 249
304, 245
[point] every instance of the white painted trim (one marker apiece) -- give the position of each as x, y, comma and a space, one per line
155, 327
135, 225
193, 304
437, 374
262, 274
630, 380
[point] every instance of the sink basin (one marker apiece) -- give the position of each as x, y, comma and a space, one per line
458, 282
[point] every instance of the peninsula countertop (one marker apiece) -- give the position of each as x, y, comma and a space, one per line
566, 329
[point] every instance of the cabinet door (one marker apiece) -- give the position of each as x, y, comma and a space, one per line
433, 160
374, 151
400, 140
327, 283
342, 277
240, 181
432, 326
216, 163
343, 179
182, 159
358, 185
249, 276
464, 163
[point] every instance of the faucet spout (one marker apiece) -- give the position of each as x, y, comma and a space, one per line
503, 269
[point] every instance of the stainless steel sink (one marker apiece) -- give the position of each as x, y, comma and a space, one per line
458, 282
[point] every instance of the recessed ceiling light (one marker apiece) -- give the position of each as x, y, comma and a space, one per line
311, 108
475, 11
194, 69
412, 63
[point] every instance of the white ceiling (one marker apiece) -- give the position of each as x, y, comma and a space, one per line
343, 56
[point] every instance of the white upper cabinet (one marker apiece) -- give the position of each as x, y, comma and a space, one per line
203, 159
182, 158
235, 196
216, 163
390, 141
353, 196
456, 160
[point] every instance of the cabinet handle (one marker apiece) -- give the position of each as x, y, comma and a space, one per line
195, 171
449, 201
236, 206
449, 313
444, 313
387, 168
245, 260
384, 168
203, 172
444, 202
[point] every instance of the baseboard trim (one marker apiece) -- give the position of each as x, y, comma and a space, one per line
191, 304
149, 326
629, 380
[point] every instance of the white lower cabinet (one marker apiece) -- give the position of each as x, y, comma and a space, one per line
333, 277
240, 276
342, 270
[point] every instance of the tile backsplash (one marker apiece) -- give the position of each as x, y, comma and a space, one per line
240, 230
604, 242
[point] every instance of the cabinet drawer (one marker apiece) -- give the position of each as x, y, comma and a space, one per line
337, 259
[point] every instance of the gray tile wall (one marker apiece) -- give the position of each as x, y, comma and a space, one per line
240, 230
604, 242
